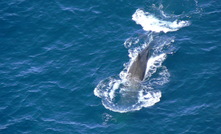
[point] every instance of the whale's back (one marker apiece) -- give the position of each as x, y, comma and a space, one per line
138, 68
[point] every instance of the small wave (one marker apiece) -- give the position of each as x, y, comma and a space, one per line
151, 23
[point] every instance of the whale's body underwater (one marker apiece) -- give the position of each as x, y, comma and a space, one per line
137, 69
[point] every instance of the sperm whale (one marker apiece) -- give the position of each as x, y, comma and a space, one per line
137, 69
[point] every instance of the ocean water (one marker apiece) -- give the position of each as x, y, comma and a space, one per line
63, 67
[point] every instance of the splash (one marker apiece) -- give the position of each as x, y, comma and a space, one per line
150, 23
118, 96
116, 92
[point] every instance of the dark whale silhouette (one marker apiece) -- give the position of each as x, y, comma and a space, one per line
136, 71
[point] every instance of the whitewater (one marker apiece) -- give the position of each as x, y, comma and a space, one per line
114, 91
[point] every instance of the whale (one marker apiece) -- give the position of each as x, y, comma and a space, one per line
137, 69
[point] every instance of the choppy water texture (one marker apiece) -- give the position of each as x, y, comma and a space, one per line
63, 67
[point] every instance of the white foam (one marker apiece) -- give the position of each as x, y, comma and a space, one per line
130, 41
149, 98
151, 23
118, 98
154, 63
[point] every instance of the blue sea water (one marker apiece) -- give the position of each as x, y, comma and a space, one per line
62, 64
